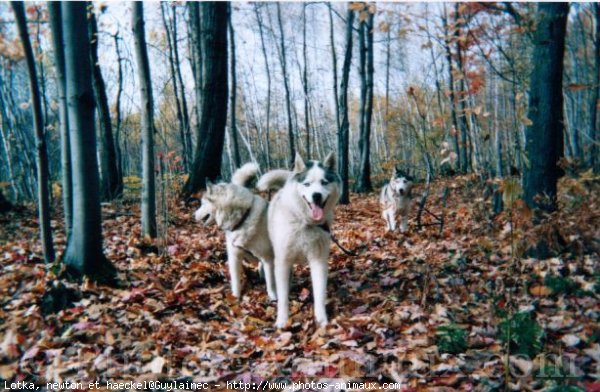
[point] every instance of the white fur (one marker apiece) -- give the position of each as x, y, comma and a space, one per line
273, 180
227, 205
297, 237
245, 174
242, 177
395, 198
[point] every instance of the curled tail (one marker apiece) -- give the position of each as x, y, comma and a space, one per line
245, 174
273, 180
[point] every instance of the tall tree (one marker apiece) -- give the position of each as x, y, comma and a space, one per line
544, 137
178, 87
286, 85
233, 127
147, 119
112, 183
344, 131
465, 159
209, 148
451, 92
173, 65
268, 70
55, 18
120, 163
595, 101
305, 82
41, 152
196, 58
84, 250
334, 67
184, 105
366, 98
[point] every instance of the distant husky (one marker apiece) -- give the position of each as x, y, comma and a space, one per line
300, 215
395, 199
243, 217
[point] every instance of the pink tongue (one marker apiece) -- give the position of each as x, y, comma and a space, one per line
316, 211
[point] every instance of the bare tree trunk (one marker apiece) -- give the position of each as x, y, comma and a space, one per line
438, 87
55, 18
147, 119
41, 152
286, 85
545, 142
184, 105
366, 112
465, 151
388, 55
84, 251
42, 72
171, 43
266, 58
196, 51
120, 163
305, 83
334, 68
237, 161
112, 184
497, 203
595, 102
8, 151
344, 131
209, 149
452, 94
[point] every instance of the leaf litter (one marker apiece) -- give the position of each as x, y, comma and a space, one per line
173, 315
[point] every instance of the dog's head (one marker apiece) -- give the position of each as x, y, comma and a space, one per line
401, 182
317, 184
206, 212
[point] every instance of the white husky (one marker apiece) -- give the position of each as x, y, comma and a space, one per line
395, 199
243, 217
300, 215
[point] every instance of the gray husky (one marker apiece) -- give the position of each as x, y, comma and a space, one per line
243, 217
300, 215
395, 199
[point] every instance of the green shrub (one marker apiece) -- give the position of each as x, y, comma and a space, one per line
451, 339
564, 388
560, 285
523, 334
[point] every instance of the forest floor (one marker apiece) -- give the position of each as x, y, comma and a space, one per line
464, 309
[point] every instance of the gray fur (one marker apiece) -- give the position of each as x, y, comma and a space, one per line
395, 198
243, 217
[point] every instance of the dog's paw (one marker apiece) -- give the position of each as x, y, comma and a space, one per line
321, 320
322, 323
273, 297
280, 324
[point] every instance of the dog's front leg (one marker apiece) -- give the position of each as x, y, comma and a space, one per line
234, 260
282, 276
318, 274
403, 223
268, 269
390, 219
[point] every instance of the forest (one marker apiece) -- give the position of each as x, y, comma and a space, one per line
120, 123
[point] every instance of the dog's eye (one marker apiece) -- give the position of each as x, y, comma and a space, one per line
324, 182
306, 184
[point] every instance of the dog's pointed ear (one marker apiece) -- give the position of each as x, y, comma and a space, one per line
329, 161
299, 164
395, 172
209, 187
